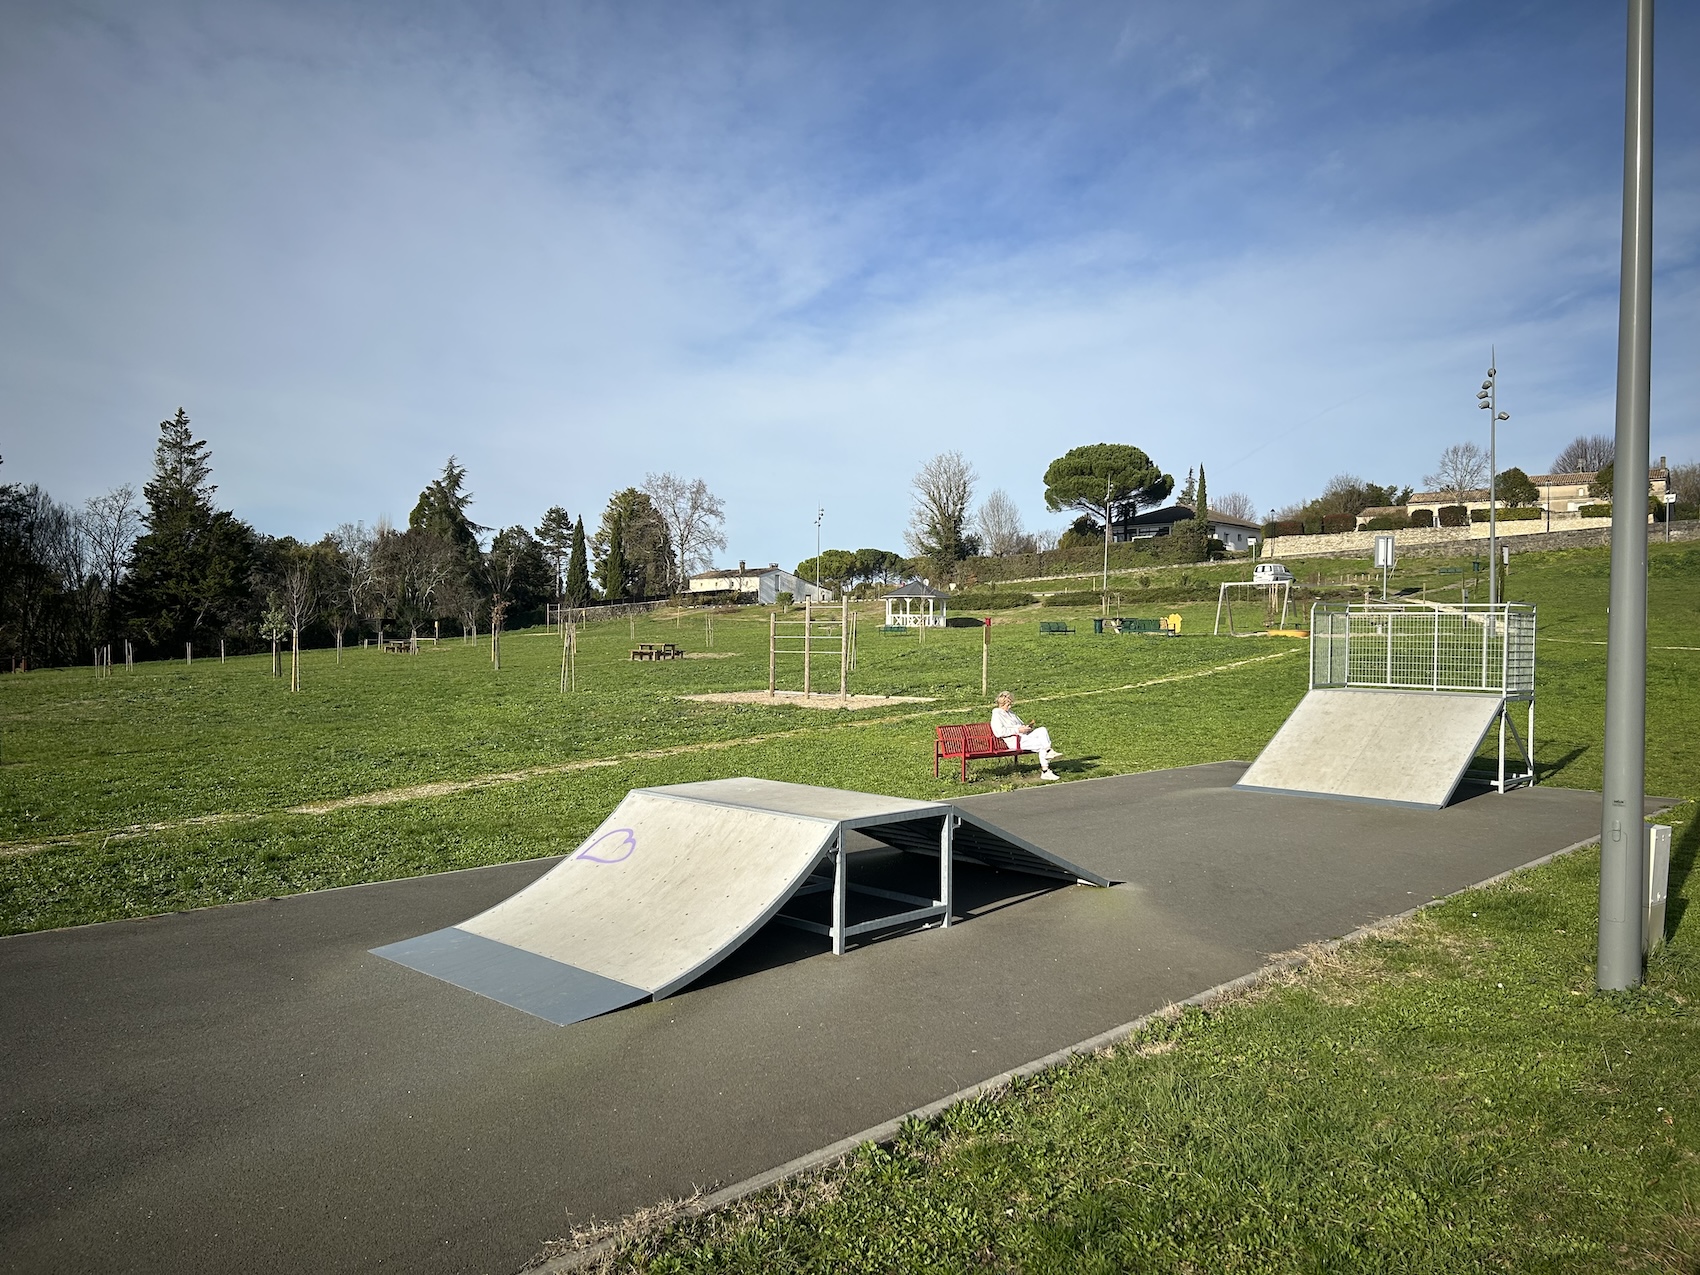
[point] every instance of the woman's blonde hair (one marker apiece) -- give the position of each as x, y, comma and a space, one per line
1002, 696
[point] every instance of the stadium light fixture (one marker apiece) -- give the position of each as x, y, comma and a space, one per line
1488, 401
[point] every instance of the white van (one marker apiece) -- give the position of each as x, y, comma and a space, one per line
1271, 573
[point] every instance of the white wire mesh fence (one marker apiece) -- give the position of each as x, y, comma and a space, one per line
1475, 647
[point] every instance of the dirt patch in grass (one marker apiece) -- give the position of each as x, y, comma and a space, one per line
815, 699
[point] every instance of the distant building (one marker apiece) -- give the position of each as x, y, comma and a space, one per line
765, 583
1562, 495
1236, 534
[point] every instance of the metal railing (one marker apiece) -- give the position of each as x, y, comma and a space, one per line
1424, 646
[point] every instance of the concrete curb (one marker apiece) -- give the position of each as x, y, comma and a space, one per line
885, 1133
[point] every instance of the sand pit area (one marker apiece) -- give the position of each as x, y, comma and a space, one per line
818, 699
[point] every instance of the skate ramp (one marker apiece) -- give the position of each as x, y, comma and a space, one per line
1400, 748
673, 882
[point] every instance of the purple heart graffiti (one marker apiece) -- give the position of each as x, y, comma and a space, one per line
624, 839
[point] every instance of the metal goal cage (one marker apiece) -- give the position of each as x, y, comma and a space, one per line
1475, 648
1268, 597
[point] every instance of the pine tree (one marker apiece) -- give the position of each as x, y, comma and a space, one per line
188, 575
1189, 493
577, 590
441, 510
555, 538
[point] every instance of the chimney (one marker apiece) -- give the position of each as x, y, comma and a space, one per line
740, 566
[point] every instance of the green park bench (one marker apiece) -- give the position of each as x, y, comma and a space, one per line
1054, 626
896, 630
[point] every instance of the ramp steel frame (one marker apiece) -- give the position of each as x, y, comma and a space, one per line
920, 909
1478, 648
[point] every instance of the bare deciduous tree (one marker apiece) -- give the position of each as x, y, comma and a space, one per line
998, 522
1463, 469
353, 576
300, 604
111, 522
1684, 481
411, 570
274, 623
694, 517
938, 524
1585, 454
1234, 504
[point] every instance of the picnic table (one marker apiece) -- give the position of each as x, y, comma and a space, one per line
658, 651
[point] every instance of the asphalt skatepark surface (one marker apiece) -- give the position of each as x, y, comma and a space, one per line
247, 1088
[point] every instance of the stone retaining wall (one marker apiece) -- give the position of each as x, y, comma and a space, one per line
1419, 542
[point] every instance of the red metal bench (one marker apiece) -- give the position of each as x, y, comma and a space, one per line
972, 742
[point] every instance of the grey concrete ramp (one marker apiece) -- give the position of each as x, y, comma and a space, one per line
674, 881
1400, 748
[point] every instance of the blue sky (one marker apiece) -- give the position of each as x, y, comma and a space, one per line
797, 249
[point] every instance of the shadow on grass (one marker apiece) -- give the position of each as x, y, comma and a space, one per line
1685, 848
1546, 770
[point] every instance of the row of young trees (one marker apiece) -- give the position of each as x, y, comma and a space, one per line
173, 569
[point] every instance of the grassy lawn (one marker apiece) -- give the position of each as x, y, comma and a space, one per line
1449, 1096
173, 786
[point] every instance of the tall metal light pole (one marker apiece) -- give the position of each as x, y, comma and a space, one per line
1109, 487
1623, 853
1488, 398
819, 514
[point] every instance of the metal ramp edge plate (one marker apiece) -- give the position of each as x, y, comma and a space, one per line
1397, 748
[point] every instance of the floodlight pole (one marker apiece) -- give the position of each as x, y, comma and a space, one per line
1493, 477
1109, 486
819, 514
1623, 854
1489, 398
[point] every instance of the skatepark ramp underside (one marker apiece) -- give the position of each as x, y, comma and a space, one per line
678, 877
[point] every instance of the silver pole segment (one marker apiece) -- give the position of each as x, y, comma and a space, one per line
946, 866
1493, 475
840, 888
1623, 887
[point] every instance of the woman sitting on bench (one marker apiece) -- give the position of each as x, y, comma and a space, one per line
1022, 737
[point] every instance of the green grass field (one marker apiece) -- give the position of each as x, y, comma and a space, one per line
1448, 1097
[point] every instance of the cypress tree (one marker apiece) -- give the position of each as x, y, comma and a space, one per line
577, 590
613, 579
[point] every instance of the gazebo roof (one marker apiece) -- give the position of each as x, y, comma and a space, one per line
915, 589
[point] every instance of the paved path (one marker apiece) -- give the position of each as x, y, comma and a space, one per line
245, 1088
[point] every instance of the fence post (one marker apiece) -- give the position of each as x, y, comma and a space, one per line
808, 633
772, 639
